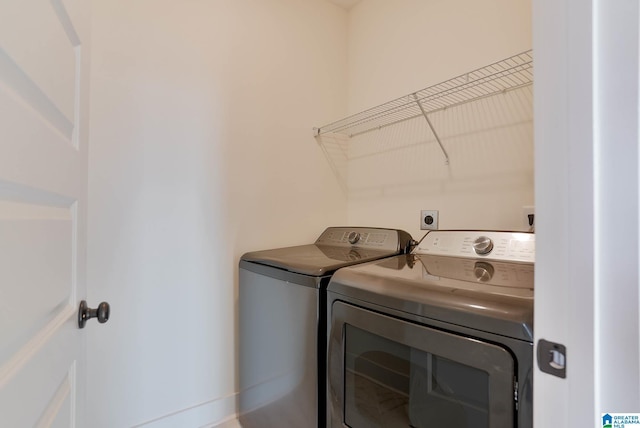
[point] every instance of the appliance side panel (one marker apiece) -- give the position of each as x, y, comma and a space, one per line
278, 351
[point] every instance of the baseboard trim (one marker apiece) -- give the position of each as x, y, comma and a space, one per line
231, 422
208, 414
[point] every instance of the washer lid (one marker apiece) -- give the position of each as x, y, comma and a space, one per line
335, 248
315, 259
495, 297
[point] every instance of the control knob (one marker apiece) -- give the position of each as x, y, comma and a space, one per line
483, 271
353, 237
482, 245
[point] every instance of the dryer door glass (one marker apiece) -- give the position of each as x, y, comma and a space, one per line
388, 384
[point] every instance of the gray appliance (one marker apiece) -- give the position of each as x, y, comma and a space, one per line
282, 320
440, 337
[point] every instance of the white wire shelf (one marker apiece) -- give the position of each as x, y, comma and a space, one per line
509, 74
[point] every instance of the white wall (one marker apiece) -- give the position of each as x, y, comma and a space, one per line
396, 48
201, 149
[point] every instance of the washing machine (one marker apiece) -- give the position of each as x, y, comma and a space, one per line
282, 322
441, 337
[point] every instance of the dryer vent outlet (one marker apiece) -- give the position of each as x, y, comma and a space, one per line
429, 219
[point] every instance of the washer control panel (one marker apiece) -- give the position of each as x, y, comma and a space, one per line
504, 246
362, 237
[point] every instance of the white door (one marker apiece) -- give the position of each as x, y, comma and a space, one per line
43, 185
587, 197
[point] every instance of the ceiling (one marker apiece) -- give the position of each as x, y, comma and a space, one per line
345, 4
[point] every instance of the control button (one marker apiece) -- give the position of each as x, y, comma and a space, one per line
354, 237
483, 271
482, 245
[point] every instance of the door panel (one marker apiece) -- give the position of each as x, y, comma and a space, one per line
42, 378
35, 39
36, 259
43, 182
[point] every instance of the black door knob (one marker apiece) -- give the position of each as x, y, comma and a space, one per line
85, 313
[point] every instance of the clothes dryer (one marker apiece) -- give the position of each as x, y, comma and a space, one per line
440, 337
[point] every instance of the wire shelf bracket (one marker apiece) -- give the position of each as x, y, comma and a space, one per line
435, 134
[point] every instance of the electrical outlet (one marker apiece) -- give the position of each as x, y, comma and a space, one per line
429, 219
528, 217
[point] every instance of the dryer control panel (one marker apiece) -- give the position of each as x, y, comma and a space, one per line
492, 245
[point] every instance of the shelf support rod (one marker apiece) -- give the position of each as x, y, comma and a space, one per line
435, 134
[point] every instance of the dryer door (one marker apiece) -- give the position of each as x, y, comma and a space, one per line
386, 372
